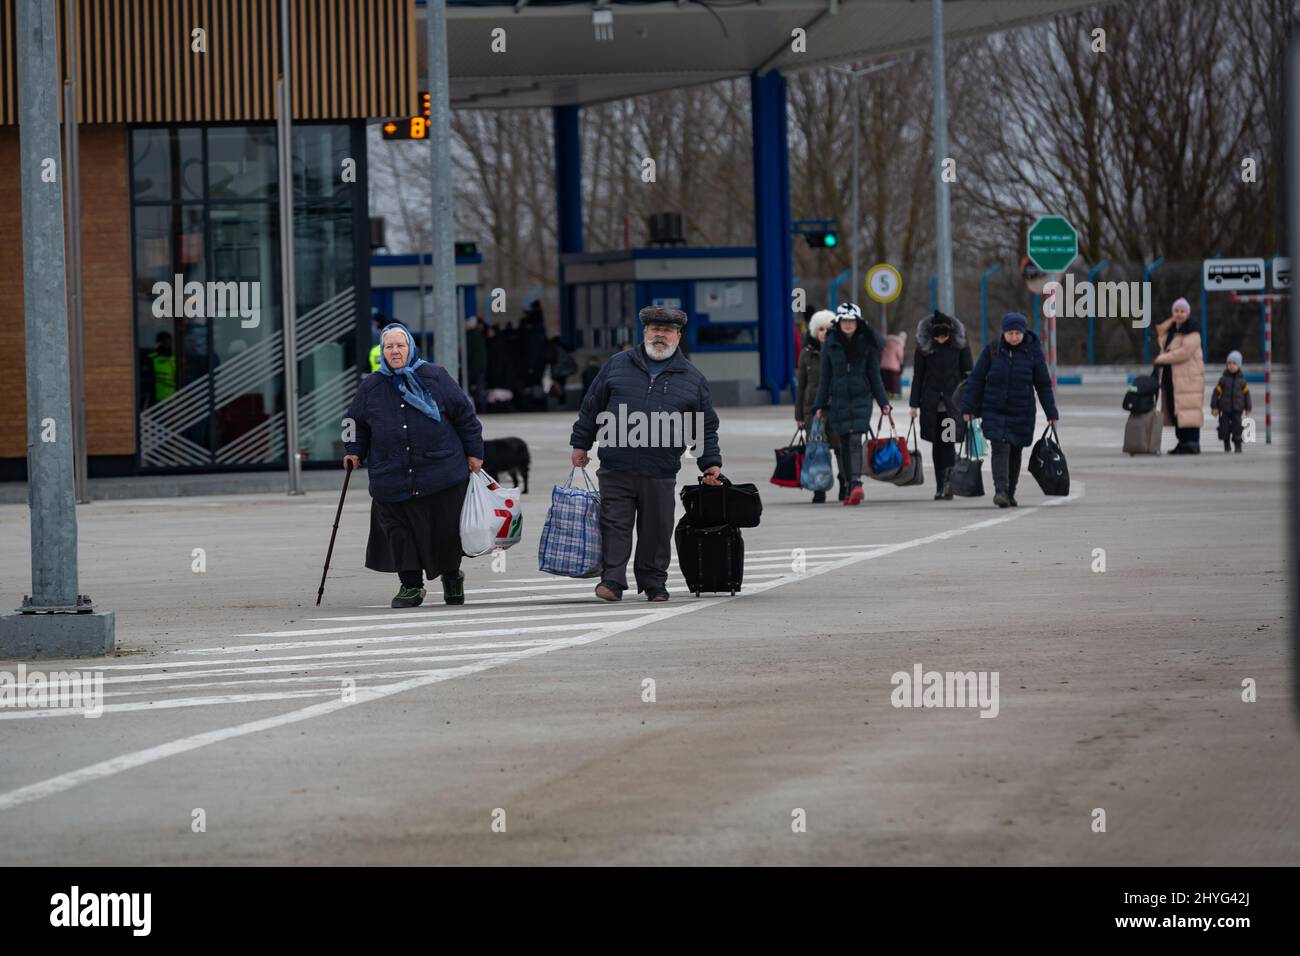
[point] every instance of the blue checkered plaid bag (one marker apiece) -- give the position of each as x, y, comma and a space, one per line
570, 542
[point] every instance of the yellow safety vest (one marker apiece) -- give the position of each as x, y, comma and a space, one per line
375, 358
164, 376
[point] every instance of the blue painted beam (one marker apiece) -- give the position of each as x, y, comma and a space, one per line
772, 226
568, 198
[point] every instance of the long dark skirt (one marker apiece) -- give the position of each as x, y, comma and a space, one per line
419, 534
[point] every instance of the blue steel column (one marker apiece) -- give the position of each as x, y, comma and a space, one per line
568, 198
1092, 317
772, 231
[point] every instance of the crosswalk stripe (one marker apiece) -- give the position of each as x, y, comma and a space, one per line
354, 644
485, 650
598, 610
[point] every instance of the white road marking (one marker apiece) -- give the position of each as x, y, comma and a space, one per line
303, 662
422, 621
829, 547
63, 782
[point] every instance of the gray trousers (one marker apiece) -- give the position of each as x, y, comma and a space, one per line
648, 502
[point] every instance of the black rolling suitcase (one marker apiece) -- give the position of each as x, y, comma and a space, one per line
711, 558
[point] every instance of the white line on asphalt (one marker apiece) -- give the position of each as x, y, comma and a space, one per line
364, 695
598, 610
8, 714
829, 547
465, 615
332, 659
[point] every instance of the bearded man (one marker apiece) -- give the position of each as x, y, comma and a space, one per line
638, 474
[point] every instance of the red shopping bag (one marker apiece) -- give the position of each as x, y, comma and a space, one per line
875, 444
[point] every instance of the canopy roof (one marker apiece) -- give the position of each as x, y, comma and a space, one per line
553, 58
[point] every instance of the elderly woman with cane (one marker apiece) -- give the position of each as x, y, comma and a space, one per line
417, 431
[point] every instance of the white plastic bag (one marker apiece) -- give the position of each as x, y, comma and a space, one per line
491, 517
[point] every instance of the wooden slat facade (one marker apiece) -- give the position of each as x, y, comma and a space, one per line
351, 59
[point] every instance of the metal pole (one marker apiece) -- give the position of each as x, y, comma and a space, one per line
72, 186
419, 281
983, 302
1146, 333
50, 495
288, 299
445, 335
942, 214
856, 214
1268, 371
1205, 321
1092, 317
1051, 346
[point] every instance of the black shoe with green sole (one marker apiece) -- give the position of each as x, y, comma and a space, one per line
409, 597
453, 588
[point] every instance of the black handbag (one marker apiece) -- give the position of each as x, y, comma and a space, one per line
789, 462
912, 473
966, 477
1047, 464
710, 505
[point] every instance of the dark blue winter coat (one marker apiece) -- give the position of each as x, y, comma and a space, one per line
1001, 389
407, 453
624, 387
850, 377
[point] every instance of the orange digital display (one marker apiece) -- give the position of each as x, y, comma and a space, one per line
412, 127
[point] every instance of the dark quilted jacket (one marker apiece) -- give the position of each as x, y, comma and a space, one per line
625, 381
850, 378
1000, 390
1232, 394
406, 453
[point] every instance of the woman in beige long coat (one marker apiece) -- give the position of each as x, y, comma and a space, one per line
1182, 378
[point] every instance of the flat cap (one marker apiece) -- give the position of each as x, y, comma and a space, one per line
660, 315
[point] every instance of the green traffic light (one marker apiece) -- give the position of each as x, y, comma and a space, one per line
830, 240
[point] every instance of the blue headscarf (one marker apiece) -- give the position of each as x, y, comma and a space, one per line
404, 379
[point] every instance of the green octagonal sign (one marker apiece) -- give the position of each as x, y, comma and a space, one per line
1053, 243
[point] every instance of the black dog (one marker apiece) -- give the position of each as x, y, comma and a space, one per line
507, 456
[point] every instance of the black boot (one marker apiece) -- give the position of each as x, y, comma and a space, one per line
1238, 448
819, 497
453, 588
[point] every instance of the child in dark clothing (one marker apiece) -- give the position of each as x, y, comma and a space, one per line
1231, 400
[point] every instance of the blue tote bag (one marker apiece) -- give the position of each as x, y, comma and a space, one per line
817, 475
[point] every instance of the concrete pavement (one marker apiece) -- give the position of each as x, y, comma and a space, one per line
1118, 690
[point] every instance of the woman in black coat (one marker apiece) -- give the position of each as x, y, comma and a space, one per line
417, 431
1001, 392
850, 379
941, 362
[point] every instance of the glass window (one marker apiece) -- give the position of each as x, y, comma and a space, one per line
597, 306
218, 399
727, 300
167, 164
709, 336
241, 162
581, 317
318, 154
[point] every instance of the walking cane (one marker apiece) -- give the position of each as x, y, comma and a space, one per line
347, 475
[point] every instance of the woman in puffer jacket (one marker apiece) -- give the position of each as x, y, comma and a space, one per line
1001, 391
850, 380
1182, 378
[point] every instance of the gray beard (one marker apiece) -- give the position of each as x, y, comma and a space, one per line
659, 354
